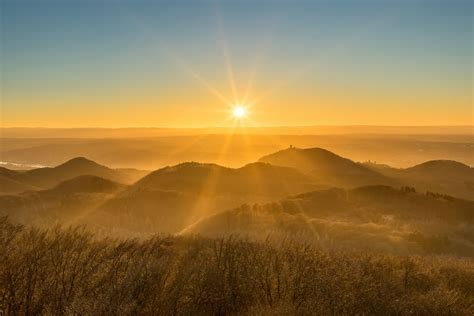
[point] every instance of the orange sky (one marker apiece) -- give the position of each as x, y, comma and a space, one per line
160, 64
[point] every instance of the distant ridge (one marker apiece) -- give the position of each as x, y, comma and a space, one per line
88, 184
454, 168
326, 167
255, 179
344, 218
9, 173
13, 186
171, 198
50, 177
441, 176
10, 182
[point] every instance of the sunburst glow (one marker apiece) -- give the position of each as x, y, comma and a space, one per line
239, 111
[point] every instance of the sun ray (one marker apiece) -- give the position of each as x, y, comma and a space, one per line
284, 84
340, 50
342, 47
205, 133
209, 186
202, 81
161, 46
225, 52
258, 61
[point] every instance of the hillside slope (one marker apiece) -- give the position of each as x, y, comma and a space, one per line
50, 177
70, 201
258, 179
441, 176
327, 168
367, 218
169, 199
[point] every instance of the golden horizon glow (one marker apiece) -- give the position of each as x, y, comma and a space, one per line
208, 70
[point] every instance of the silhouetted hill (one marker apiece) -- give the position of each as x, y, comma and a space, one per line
172, 198
144, 211
257, 179
134, 174
87, 184
50, 177
70, 201
12, 174
166, 200
10, 182
443, 168
169, 199
12, 186
326, 167
369, 218
441, 176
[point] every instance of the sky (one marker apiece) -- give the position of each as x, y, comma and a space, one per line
183, 63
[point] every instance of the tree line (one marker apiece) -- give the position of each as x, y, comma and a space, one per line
70, 271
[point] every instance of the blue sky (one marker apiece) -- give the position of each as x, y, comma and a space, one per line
72, 59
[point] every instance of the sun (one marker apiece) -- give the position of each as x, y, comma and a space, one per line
239, 111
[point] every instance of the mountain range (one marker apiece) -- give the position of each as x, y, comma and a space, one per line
45, 178
377, 218
328, 168
442, 176
294, 191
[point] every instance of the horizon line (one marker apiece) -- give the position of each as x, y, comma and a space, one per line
230, 127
